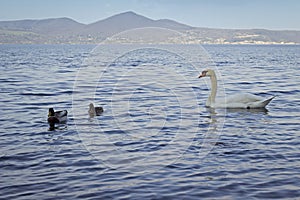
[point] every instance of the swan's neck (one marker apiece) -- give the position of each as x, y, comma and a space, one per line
212, 97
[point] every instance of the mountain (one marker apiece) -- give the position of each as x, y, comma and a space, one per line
54, 26
65, 30
129, 20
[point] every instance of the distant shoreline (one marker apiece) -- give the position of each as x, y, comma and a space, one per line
68, 31
95, 44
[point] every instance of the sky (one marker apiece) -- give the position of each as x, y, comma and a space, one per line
266, 14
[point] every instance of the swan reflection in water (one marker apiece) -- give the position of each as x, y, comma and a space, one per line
247, 111
220, 118
212, 132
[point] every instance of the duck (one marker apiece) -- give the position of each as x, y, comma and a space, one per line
95, 110
56, 117
239, 100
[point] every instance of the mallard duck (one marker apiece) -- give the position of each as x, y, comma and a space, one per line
95, 110
56, 117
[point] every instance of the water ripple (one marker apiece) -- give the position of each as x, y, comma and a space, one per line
155, 139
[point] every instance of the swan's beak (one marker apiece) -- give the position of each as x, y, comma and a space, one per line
203, 74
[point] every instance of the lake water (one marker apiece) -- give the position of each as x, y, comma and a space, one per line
155, 139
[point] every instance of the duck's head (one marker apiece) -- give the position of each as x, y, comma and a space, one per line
91, 105
51, 112
207, 73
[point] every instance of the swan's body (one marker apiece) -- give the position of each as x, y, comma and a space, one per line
240, 100
95, 110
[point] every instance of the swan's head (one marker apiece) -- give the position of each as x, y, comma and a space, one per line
207, 72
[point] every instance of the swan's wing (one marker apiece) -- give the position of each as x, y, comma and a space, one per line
246, 101
243, 98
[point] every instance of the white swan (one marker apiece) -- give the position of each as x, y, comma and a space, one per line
240, 100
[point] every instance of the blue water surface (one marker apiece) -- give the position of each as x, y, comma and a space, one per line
155, 139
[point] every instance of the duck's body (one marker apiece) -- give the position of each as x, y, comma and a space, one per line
95, 110
240, 100
57, 117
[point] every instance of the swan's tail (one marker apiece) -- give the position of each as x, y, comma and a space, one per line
260, 104
267, 101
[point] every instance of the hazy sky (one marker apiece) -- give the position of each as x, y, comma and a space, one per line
269, 14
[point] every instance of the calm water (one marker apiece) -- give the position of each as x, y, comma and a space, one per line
155, 139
